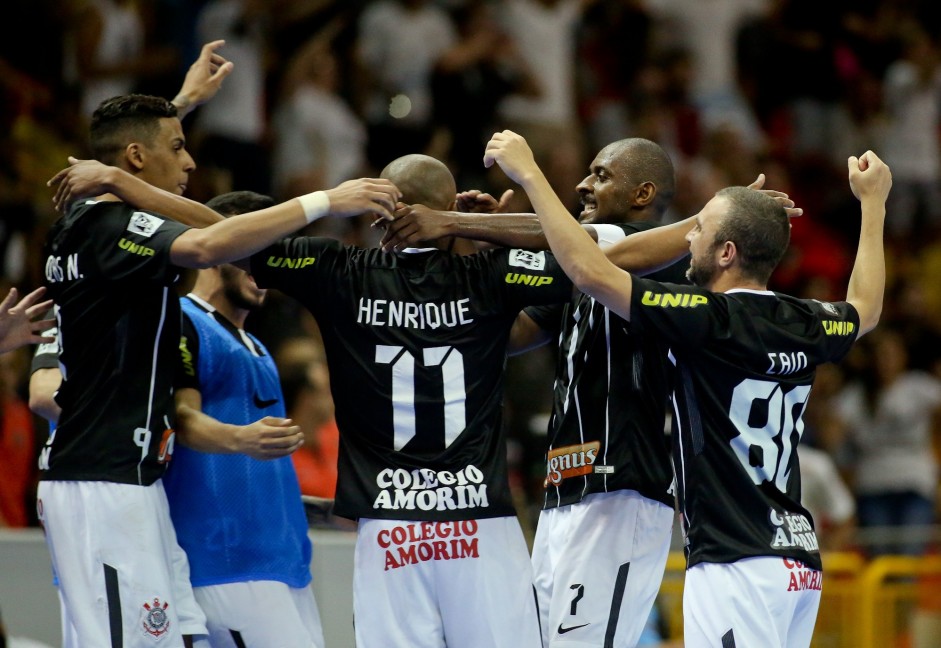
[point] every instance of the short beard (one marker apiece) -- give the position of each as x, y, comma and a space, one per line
233, 293
701, 276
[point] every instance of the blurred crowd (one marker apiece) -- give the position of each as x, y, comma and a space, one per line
327, 90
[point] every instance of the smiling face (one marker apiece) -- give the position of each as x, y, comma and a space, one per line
607, 193
168, 163
703, 246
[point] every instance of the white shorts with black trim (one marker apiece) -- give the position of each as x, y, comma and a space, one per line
597, 566
766, 601
121, 572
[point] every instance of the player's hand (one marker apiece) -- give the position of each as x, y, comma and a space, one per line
362, 196
474, 201
269, 438
511, 152
203, 79
81, 179
870, 177
17, 324
413, 224
779, 196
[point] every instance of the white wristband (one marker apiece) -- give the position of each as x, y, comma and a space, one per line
315, 205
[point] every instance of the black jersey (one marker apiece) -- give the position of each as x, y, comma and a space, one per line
416, 346
46, 355
108, 270
745, 362
609, 404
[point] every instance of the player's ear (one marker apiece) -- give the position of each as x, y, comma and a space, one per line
645, 193
728, 254
134, 154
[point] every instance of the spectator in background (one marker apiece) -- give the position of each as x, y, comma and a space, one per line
230, 132
318, 141
483, 67
891, 413
912, 89
399, 44
107, 54
17, 445
305, 382
544, 32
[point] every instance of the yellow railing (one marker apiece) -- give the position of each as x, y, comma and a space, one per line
889, 602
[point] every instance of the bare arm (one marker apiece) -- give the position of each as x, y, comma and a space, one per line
220, 240
203, 79
870, 179
43, 384
526, 335
583, 261
268, 438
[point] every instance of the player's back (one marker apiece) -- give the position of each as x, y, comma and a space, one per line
745, 362
416, 345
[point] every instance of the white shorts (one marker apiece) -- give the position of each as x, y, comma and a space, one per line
260, 613
461, 584
119, 566
766, 601
597, 566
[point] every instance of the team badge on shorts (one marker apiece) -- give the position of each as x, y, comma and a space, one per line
154, 618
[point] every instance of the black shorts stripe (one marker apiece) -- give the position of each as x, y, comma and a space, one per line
728, 640
113, 593
538, 613
619, 586
237, 638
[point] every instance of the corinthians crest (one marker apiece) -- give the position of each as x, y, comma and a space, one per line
154, 618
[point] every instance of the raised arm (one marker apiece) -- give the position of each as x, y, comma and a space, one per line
203, 79
268, 438
583, 261
870, 179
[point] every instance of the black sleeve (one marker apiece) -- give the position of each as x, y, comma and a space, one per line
548, 318
529, 278
187, 371
297, 266
132, 244
683, 316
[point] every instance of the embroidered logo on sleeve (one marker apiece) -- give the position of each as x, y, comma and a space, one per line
527, 259
143, 223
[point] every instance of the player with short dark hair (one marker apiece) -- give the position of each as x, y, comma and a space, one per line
744, 360
233, 494
110, 268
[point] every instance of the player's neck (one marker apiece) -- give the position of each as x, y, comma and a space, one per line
726, 281
216, 298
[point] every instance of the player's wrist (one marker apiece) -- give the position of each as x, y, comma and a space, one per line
315, 205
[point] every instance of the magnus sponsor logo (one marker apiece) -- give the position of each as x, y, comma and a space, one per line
802, 577
673, 300
410, 544
571, 461
424, 489
792, 530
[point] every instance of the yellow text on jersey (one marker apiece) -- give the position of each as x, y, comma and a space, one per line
291, 263
671, 300
832, 327
135, 248
527, 279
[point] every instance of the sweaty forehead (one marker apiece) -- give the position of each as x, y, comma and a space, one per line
615, 158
